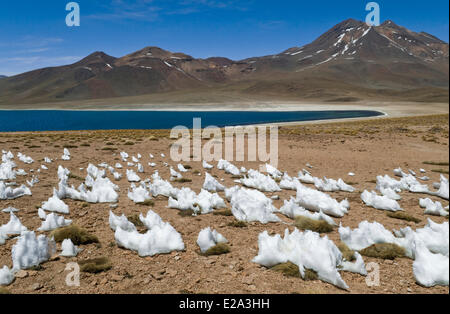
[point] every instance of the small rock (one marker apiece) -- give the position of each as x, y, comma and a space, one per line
22, 274
248, 280
409, 290
251, 288
37, 286
104, 281
158, 275
171, 273
116, 277
389, 262
55, 258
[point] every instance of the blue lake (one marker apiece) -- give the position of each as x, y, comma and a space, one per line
61, 120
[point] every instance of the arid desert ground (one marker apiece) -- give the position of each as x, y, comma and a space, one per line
367, 148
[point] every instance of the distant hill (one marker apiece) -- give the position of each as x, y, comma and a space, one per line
351, 61
2, 76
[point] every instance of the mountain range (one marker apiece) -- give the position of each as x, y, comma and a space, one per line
350, 62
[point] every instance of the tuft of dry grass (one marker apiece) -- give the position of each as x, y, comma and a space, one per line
436, 163
238, 224
74, 233
135, 220
347, 253
288, 269
291, 270
224, 212
403, 216
183, 180
218, 249
95, 265
3, 290
306, 223
442, 171
147, 203
384, 251
75, 177
310, 275
186, 213
37, 268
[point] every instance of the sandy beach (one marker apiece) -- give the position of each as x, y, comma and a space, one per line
367, 148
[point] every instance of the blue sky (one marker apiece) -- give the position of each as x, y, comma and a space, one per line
33, 34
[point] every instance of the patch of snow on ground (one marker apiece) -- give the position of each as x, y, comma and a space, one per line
307, 250
132, 176
66, 155
69, 249
331, 185
31, 251
208, 238
54, 204
13, 227
25, 159
139, 194
274, 172
228, 167
161, 238
53, 221
9, 193
204, 203
318, 201
122, 222
205, 165
433, 208
211, 184
430, 269
291, 209
6, 276
260, 182
250, 205
358, 267
380, 202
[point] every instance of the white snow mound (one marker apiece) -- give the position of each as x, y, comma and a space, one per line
208, 238
307, 250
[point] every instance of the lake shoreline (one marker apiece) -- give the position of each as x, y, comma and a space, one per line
388, 109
